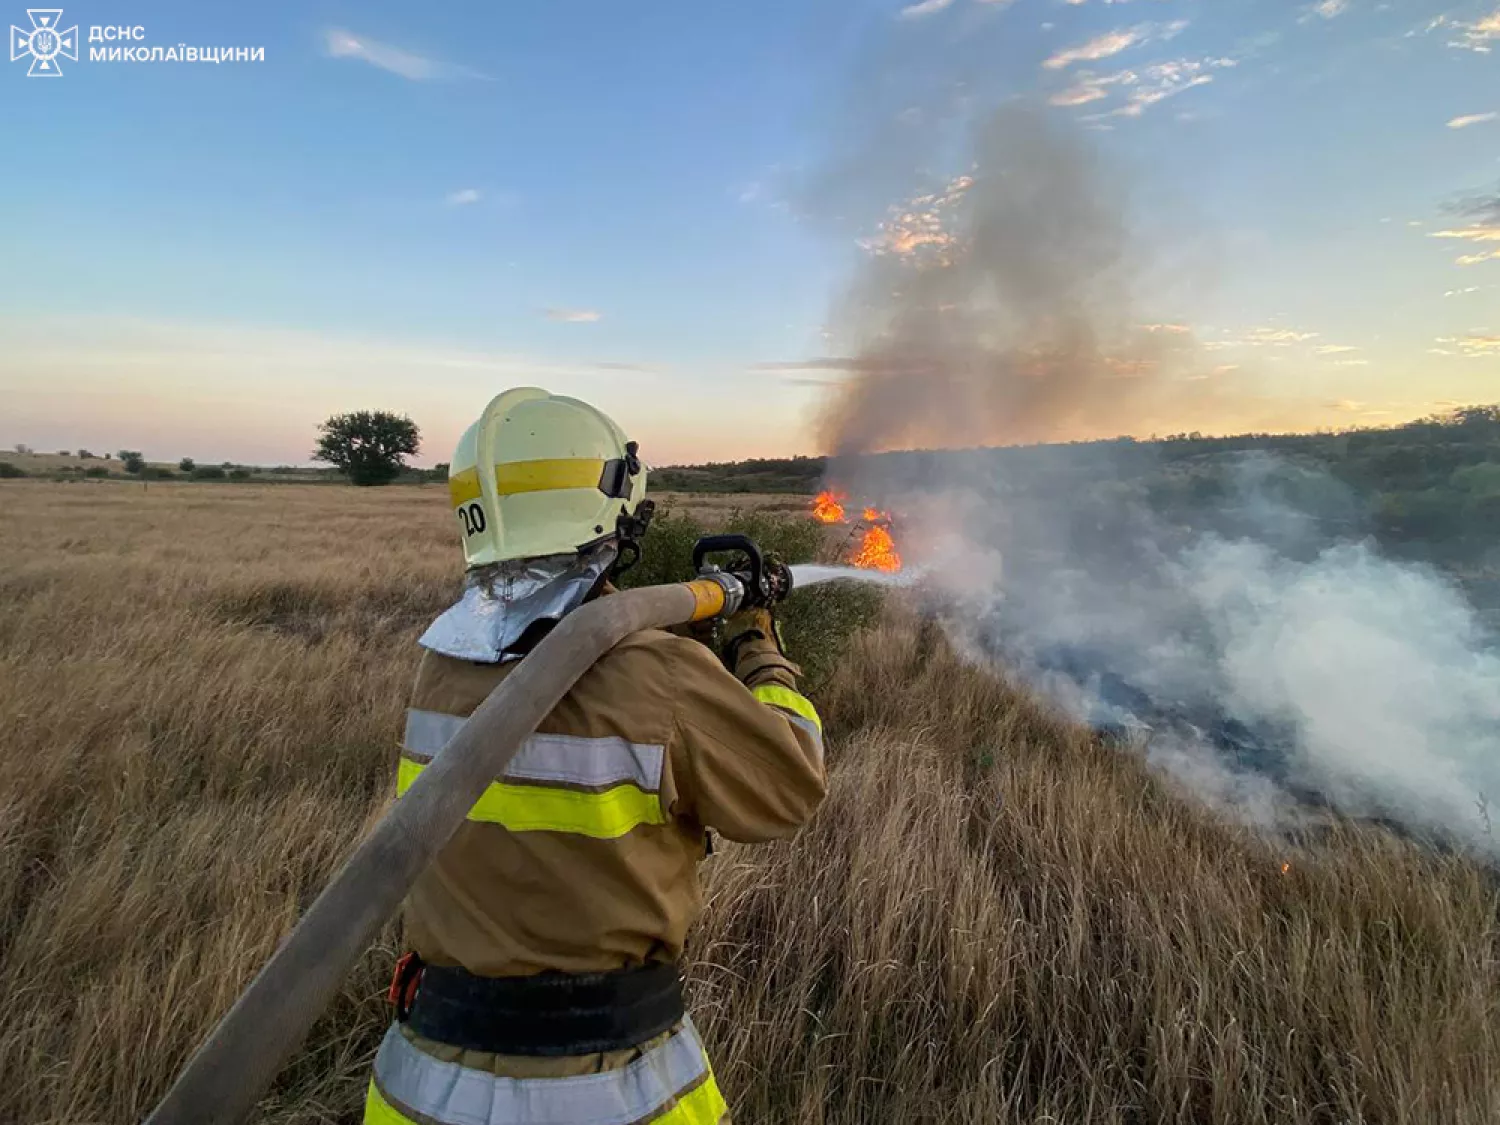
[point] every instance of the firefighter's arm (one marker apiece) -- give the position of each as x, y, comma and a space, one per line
748, 747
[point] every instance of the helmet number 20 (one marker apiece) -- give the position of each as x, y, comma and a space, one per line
472, 517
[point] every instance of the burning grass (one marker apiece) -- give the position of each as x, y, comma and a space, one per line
992, 919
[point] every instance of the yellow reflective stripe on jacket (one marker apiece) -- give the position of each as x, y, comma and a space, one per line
540, 808
670, 1084
788, 700
546, 474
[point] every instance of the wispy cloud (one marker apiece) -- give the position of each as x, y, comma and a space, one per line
1140, 88
1473, 346
919, 226
1477, 36
924, 8
1082, 93
572, 316
1277, 337
1328, 9
1472, 119
463, 197
1335, 349
341, 44
819, 363
1111, 43
1484, 228
1264, 336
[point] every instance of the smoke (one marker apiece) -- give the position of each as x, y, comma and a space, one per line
996, 307
1256, 645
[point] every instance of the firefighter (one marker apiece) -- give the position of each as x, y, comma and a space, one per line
544, 982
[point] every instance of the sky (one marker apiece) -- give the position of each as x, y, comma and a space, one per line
413, 207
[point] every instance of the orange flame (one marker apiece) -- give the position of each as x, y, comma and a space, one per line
877, 552
828, 507
1285, 867
874, 515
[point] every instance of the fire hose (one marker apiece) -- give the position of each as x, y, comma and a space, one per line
230, 1070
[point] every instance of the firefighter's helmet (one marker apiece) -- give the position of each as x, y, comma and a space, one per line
542, 474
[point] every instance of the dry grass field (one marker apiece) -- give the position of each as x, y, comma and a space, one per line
993, 919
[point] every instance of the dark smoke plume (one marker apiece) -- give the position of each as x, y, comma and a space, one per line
996, 309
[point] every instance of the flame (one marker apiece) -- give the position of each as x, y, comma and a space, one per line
877, 551
875, 515
1285, 867
828, 507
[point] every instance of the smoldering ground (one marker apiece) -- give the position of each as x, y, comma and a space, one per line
1253, 640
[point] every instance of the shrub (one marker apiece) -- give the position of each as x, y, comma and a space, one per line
63, 453
157, 472
9, 471
239, 474
134, 462
208, 472
96, 471
186, 465
85, 455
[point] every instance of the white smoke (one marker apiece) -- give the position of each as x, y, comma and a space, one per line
1378, 667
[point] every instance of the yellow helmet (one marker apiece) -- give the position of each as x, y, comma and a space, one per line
541, 474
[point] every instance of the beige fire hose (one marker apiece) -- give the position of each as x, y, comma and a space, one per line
233, 1067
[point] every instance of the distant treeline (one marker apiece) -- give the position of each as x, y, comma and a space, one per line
1426, 490
1411, 458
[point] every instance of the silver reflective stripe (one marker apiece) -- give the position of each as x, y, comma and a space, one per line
565, 758
427, 732
807, 725
588, 761
415, 1083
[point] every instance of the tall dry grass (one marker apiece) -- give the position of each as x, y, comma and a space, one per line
992, 918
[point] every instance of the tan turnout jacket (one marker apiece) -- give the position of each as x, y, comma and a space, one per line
583, 857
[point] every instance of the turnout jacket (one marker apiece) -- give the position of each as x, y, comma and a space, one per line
583, 856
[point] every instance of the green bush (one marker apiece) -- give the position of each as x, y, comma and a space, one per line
9, 471
208, 472
157, 472
239, 474
186, 465
816, 623
96, 471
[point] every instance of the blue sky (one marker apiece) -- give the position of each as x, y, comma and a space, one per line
411, 207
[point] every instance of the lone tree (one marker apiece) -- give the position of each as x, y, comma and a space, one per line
369, 447
133, 461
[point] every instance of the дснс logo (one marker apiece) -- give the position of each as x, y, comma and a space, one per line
44, 42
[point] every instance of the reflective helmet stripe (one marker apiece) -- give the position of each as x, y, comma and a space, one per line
513, 477
464, 486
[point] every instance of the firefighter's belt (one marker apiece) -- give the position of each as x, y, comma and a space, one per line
549, 1013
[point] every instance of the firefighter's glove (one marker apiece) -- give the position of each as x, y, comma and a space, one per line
752, 645
704, 632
